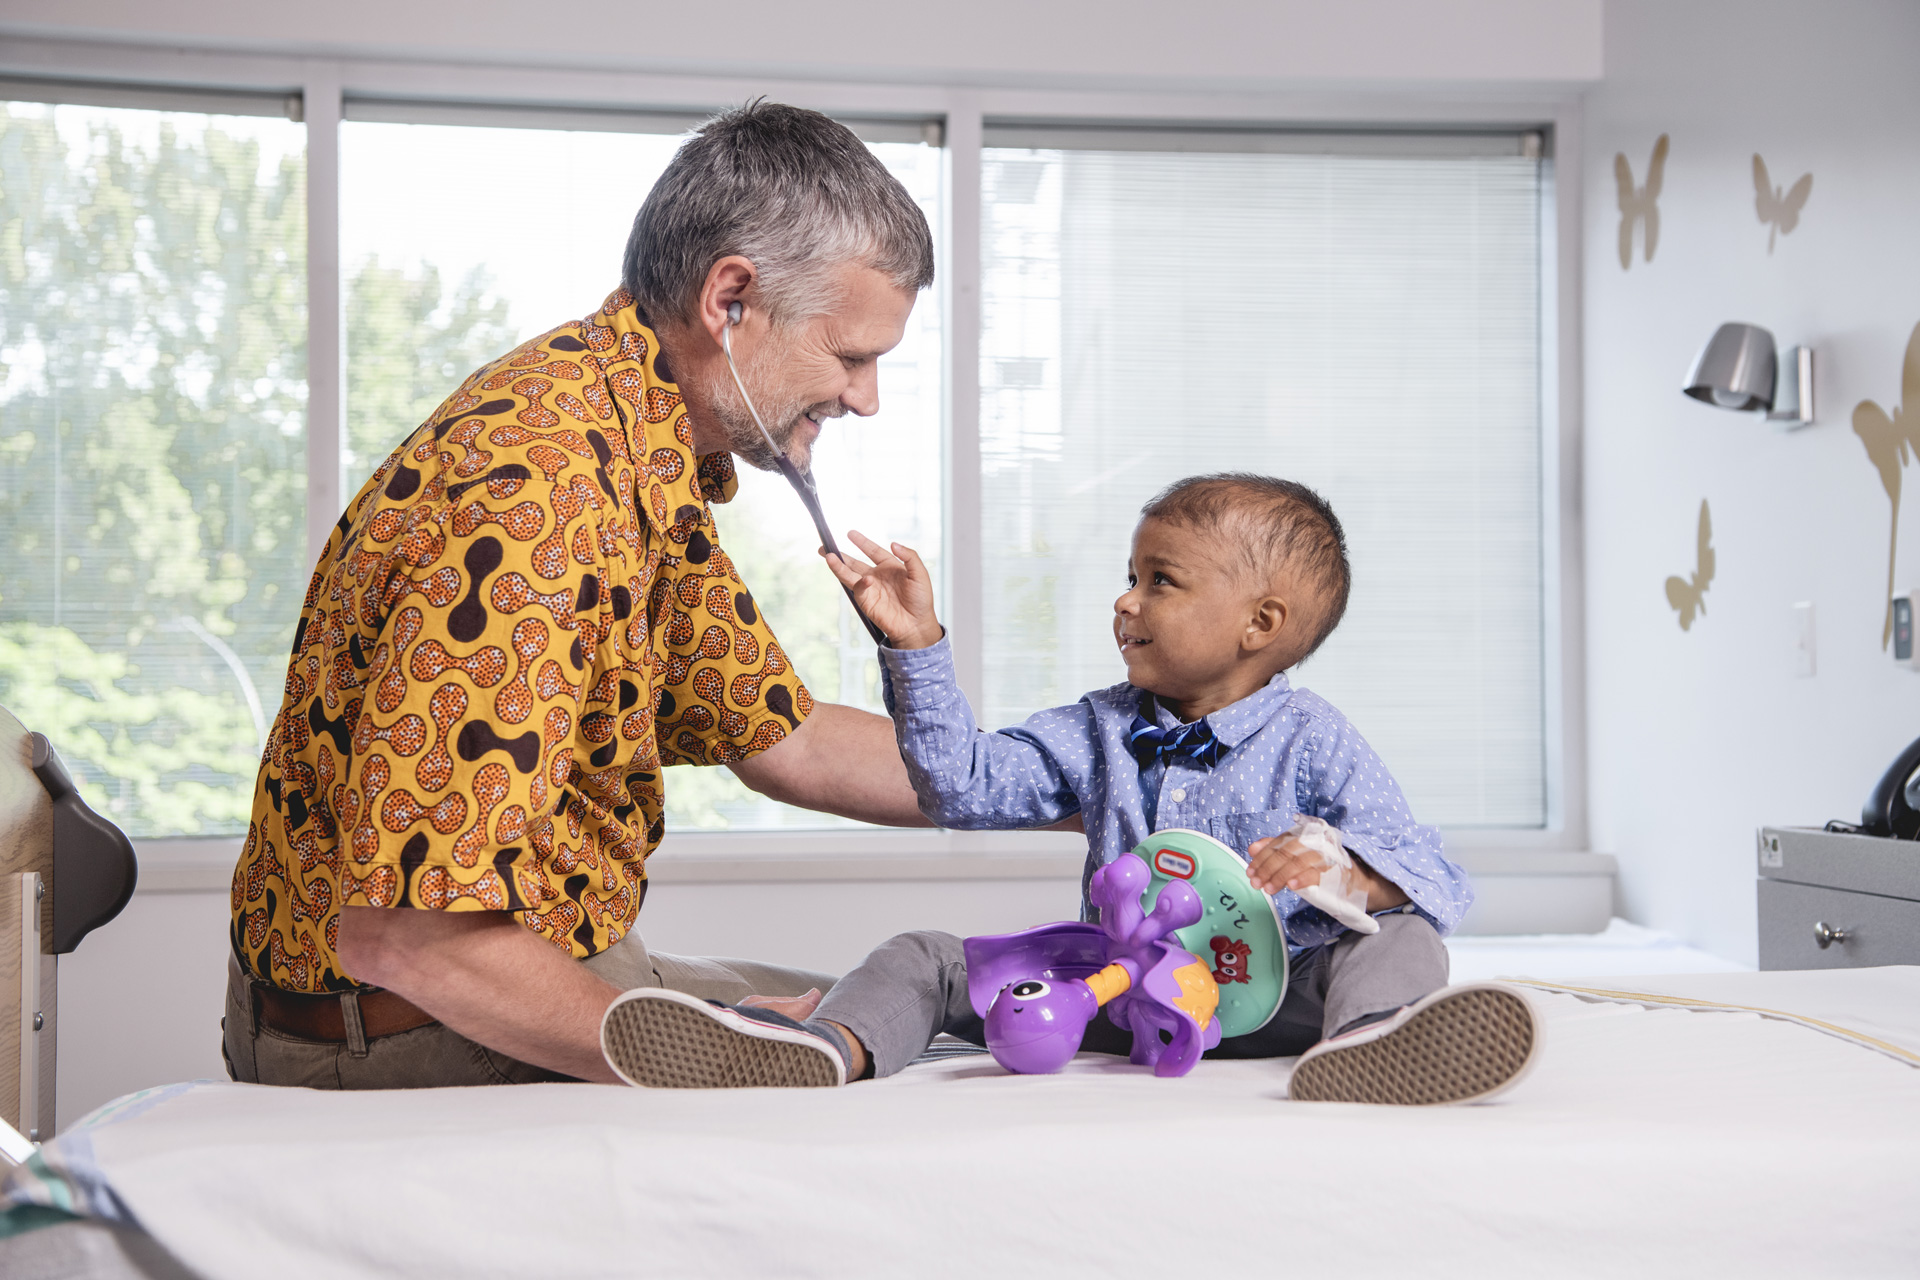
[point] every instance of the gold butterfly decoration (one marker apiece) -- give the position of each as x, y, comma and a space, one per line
1891, 439
1690, 596
1780, 213
1640, 204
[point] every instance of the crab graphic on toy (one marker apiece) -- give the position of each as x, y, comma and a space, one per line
1177, 894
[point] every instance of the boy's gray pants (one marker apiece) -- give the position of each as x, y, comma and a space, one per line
913, 987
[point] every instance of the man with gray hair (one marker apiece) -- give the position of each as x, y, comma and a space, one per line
525, 615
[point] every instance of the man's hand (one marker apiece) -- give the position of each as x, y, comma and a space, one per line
896, 591
799, 1008
1283, 862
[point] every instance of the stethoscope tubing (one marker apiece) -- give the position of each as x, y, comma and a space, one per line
802, 484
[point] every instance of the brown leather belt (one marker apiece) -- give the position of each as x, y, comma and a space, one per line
321, 1017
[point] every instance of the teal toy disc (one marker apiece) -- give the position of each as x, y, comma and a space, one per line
1239, 937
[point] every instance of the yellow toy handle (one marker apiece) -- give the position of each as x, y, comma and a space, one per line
1109, 982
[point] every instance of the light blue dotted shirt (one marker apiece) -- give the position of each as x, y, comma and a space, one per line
1289, 752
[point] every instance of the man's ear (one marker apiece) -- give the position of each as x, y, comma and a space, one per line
730, 280
1266, 625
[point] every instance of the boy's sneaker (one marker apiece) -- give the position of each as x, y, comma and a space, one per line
1460, 1044
663, 1039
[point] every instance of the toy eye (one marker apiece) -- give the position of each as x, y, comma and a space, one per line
1032, 989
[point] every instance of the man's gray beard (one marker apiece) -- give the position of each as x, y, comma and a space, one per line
744, 438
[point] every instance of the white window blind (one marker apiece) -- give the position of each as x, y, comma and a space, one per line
1360, 314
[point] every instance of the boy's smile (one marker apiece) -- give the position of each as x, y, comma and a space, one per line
1193, 626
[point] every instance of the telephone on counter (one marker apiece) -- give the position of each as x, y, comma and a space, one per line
1893, 807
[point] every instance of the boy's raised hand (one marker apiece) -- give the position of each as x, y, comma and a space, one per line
895, 591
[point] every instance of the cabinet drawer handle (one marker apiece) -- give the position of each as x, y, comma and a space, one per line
1826, 935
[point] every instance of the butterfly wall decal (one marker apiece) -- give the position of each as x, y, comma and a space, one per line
1892, 439
1780, 213
1640, 204
1688, 596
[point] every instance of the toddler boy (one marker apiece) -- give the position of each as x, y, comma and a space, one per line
1233, 580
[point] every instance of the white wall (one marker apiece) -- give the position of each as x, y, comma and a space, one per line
140, 1001
1225, 43
1698, 737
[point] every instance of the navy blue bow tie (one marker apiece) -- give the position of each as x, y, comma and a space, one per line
1195, 741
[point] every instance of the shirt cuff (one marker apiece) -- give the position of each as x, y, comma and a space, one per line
1439, 912
921, 679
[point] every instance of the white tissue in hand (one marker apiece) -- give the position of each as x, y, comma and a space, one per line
1336, 894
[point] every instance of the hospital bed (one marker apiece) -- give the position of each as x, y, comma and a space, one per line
1751, 1124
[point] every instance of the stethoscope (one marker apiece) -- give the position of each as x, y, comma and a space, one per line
802, 484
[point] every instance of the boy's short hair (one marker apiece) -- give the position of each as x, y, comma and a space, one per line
1275, 525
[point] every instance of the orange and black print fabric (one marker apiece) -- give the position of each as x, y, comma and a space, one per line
519, 620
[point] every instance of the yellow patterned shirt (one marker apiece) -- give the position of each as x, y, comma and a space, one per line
519, 620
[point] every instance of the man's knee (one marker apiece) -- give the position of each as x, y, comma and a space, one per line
730, 980
924, 946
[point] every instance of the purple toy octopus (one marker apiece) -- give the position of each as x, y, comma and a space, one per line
1040, 988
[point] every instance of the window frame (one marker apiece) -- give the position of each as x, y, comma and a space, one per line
321, 88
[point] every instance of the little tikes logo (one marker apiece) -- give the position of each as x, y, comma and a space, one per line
1168, 862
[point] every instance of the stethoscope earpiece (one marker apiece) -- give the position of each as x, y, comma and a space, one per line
733, 313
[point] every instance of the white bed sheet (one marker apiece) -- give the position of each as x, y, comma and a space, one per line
1649, 1141
1621, 948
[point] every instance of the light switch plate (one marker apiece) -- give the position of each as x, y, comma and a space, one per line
1803, 638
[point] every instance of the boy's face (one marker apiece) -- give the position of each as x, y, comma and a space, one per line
1187, 610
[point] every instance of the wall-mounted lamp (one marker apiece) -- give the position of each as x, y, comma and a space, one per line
1737, 369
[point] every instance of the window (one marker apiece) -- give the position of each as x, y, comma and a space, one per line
443, 274
153, 324
1359, 313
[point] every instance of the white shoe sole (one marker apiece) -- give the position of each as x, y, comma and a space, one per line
1460, 1044
660, 1039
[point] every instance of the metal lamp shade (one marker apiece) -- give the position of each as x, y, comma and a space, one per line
1735, 369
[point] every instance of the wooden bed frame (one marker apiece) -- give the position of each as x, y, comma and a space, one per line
64, 871
29, 1012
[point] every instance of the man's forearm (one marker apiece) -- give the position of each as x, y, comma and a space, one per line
488, 977
840, 760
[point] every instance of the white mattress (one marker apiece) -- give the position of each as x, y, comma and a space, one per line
1652, 1141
